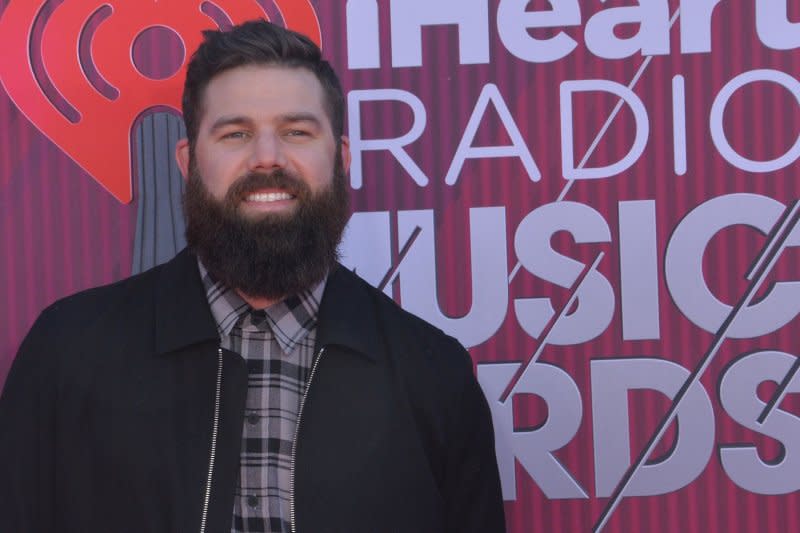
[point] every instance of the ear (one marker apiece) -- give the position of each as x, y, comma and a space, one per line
346, 156
182, 157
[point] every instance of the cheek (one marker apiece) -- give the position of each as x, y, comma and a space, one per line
217, 174
318, 171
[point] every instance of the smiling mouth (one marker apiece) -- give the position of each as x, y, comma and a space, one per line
269, 197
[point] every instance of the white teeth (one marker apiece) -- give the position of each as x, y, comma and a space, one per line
268, 196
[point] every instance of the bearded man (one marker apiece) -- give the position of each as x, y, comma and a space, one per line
252, 383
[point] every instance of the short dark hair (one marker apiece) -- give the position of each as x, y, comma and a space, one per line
256, 42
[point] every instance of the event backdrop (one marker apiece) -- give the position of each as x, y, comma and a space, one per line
598, 198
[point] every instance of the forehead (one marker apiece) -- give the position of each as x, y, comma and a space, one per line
263, 92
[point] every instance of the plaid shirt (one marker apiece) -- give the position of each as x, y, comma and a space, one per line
278, 345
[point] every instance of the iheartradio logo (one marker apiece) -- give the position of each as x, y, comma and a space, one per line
71, 69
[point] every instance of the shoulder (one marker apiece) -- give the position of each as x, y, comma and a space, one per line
75, 312
436, 373
68, 324
417, 343
413, 331
126, 308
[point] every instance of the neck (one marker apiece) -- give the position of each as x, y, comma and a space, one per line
258, 303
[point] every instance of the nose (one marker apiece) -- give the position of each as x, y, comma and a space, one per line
267, 152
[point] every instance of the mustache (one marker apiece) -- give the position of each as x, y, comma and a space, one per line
277, 179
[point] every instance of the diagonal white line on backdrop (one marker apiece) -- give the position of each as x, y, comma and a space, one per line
391, 274
613, 115
779, 228
777, 243
780, 392
603, 130
551, 326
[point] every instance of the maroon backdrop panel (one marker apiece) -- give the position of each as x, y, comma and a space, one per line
597, 198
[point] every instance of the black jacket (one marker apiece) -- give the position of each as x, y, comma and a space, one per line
107, 415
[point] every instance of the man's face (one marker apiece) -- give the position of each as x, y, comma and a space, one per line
266, 199
262, 119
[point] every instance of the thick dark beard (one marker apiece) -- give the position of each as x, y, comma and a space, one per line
273, 256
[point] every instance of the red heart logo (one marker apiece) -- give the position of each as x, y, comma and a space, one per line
90, 117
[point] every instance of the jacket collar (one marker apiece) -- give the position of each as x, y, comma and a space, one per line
347, 314
182, 315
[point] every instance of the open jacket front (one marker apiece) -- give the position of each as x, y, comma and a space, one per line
107, 416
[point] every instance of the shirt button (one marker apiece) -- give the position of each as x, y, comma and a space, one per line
252, 501
253, 418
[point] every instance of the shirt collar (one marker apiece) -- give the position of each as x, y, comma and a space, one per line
290, 320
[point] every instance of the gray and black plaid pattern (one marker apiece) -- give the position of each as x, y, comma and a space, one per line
278, 345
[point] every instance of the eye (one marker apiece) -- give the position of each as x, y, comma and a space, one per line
235, 135
298, 133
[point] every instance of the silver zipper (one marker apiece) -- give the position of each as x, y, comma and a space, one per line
214, 431
296, 433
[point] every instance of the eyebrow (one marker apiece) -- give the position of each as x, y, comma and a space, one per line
302, 116
235, 120
240, 120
